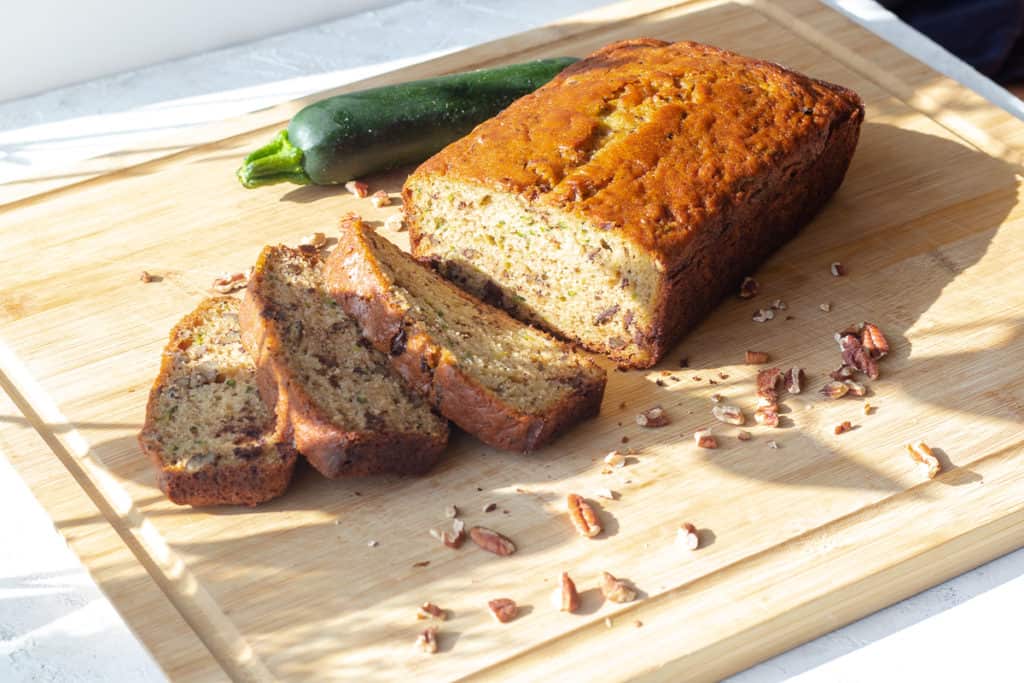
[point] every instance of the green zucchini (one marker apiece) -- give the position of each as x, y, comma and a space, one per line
351, 135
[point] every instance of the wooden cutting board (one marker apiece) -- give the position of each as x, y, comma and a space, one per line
797, 540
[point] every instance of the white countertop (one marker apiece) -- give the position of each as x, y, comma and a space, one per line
55, 624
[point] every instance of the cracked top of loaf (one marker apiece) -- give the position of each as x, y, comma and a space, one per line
653, 139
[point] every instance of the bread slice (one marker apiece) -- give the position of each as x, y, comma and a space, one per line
348, 412
209, 434
510, 385
618, 203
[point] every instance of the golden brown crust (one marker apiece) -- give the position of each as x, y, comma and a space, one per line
248, 483
691, 182
332, 449
362, 288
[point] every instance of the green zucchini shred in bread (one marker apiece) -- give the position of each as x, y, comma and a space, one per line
209, 434
348, 412
509, 384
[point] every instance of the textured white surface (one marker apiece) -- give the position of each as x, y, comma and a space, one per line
54, 623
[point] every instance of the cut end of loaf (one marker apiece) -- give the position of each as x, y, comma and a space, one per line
543, 265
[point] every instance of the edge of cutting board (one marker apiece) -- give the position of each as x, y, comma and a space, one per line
932, 547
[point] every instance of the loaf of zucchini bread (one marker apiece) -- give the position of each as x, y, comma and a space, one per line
509, 384
207, 431
348, 412
618, 203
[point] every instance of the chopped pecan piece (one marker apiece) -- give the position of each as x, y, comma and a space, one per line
492, 541
503, 610
687, 536
230, 282
704, 439
728, 414
395, 222
316, 240
145, 277
767, 415
456, 537
380, 199
614, 460
615, 589
872, 339
843, 428
566, 598
922, 454
748, 288
426, 642
794, 380
834, 390
855, 388
358, 188
654, 417
755, 357
768, 382
582, 516
856, 356
429, 610
843, 372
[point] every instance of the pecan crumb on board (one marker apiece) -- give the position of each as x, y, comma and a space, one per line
582, 516
395, 222
687, 536
503, 610
922, 454
566, 598
426, 642
616, 590
492, 541
358, 188
230, 282
704, 439
728, 414
429, 610
653, 417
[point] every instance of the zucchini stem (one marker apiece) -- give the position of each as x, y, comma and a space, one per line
279, 161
